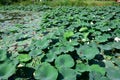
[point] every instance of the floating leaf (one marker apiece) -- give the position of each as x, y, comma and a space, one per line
64, 61
82, 67
46, 72
87, 52
67, 48
97, 76
35, 52
83, 29
68, 74
42, 44
116, 45
97, 68
23, 57
85, 36
7, 69
106, 46
68, 34
102, 38
50, 57
117, 61
113, 73
108, 63
2, 55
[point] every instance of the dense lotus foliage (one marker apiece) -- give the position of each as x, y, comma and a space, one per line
63, 43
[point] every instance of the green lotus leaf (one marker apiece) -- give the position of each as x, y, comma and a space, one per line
13, 29
102, 38
87, 52
7, 69
116, 45
106, 46
50, 57
56, 50
42, 44
117, 61
117, 32
67, 48
109, 63
83, 29
97, 76
23, 57
97, 68
64, 61
104, 28
68, 34
82, 67
35, 52
113, 73
2, 55
68, 74
45, 72
85, 35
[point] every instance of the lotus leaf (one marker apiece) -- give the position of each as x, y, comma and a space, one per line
46, 72
23, 57
87, 52
7, 69
2, 55
64, 61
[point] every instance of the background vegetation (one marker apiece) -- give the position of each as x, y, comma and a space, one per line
59, 2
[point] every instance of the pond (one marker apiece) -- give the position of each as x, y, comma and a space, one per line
11, 18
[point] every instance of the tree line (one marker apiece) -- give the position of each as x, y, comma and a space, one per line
7, 2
